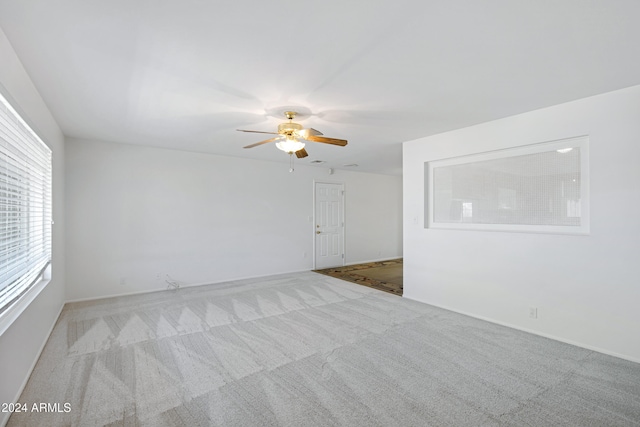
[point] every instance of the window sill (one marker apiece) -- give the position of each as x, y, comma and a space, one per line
17, 308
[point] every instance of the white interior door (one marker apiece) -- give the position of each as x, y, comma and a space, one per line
329, 221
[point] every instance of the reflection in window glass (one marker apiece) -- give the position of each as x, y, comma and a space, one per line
533, 189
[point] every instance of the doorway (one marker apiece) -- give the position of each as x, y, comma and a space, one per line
329, 223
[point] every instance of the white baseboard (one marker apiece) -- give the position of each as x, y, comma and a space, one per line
190, 285
534, 332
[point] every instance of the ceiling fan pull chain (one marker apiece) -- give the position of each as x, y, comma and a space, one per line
291, 162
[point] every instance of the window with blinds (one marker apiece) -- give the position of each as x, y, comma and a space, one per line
534, 188
25, 206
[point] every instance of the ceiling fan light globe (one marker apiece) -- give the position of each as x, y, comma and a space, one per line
290, 145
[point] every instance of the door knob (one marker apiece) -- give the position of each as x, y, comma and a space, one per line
318, 232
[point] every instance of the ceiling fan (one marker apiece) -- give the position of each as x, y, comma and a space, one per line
290, 134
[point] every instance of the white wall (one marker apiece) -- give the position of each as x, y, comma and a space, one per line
135, 212
21, 343
586, 288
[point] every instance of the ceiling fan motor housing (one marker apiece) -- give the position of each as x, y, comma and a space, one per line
289, 128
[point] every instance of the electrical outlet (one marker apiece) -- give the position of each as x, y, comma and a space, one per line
123, 281
533, 312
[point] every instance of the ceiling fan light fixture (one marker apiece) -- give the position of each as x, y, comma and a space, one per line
290, 145
289, 135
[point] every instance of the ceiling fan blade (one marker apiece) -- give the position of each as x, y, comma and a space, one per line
262, 142
256, 131
304, 133
302, 153
324, 139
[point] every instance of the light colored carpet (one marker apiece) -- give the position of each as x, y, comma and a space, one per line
311, 350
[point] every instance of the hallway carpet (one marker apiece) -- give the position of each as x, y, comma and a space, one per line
382, 275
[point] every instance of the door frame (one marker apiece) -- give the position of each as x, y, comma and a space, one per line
344, 219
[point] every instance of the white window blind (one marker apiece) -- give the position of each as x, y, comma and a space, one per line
25, 206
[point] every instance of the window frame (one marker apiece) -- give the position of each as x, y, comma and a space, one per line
581, 142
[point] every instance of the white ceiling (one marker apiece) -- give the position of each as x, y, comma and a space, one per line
185, 74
